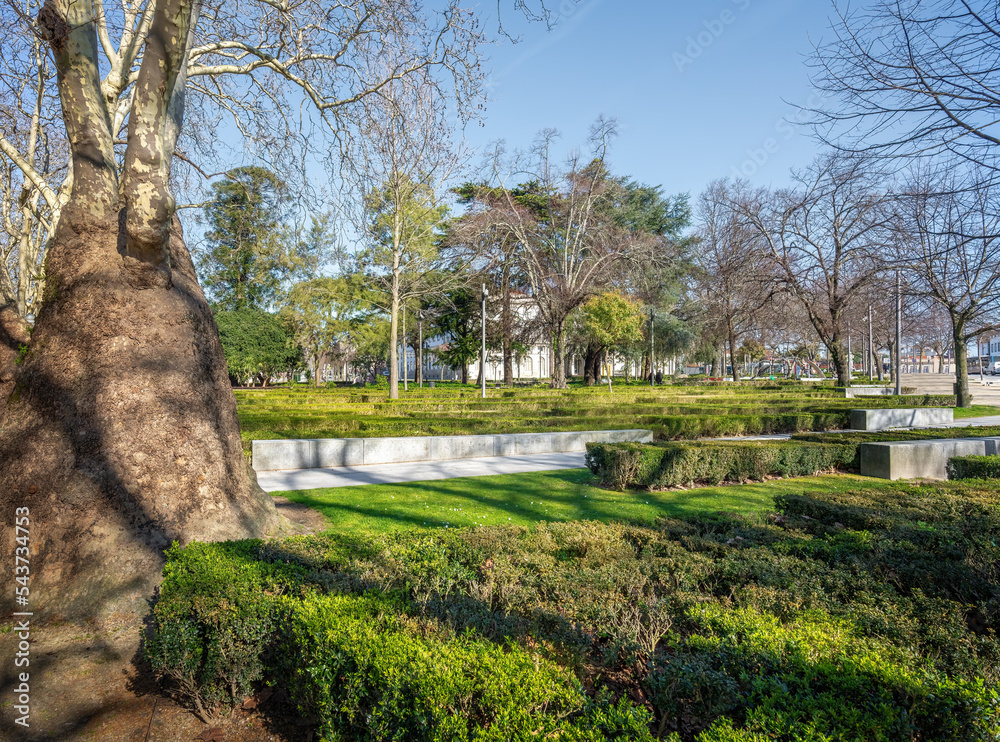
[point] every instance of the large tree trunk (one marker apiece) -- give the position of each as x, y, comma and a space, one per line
120, 434
591, 364
963, 396
840, 362
14, 337
559, 355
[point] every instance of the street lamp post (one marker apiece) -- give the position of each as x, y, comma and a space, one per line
420, 345
899, 335
482, 355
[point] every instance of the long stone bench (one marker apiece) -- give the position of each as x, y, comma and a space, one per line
868, 391
882, 419
333, 452
921, 459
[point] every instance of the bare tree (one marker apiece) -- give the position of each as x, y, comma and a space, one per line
738, 279
249, 67
121, 433
402, 168
949, 239
913, 77
570, 243
827, 236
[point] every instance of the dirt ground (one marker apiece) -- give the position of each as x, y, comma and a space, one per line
89, 683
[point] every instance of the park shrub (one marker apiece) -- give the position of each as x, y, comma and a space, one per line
855, 439
974, 467
672, 413
853, 614
215, 621
367, 678
660, 465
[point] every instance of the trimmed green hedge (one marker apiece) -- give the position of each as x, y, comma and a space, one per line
974, 467
661, 465
870, 614
229, 618
216, 621
367, 677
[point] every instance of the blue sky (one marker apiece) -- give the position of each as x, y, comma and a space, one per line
701, 90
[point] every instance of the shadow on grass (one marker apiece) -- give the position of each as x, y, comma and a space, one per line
527, 499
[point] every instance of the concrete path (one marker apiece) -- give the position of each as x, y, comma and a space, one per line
944, 384
420, 471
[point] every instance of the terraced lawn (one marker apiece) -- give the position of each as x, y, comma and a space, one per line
672, 412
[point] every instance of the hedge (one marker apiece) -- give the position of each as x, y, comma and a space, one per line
661, 465
870, 614
974, 467
229, 619
367, 679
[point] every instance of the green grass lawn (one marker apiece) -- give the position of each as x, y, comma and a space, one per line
529, 499
976, 410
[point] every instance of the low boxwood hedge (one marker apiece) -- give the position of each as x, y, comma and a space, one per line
367, 677
870, 614
974, 467
661, 465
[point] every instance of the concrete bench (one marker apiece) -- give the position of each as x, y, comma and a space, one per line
333, 452
868, 391
921, 459
900, 418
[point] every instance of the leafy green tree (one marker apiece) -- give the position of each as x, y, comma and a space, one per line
400, 263
317, 313
256, 345
612, 320
241, 265
370, 339
458, 319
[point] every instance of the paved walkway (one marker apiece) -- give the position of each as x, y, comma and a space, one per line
418, 471
944, 384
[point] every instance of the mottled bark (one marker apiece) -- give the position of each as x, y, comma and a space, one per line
155, 122
69, 27
14, 338
120, 434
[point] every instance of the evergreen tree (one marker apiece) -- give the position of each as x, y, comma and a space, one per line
243, 265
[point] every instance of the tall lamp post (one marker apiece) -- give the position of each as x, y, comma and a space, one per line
899, 335
420, 345
482, 355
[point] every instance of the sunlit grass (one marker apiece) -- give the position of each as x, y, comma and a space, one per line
976, 410
529, 499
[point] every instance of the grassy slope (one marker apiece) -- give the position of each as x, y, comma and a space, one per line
529, 499
976, 410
